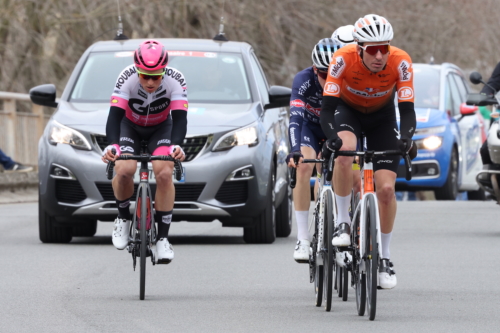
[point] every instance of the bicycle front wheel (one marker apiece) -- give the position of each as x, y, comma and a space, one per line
328, 250
371, 257
144, 241
358, 277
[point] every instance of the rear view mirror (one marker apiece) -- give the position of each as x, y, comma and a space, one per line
279, 96
44, 94
475, 78
467, 110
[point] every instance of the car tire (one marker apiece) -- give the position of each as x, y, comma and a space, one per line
449, 190
284, 214
85, 229
48, 231
264, 228
478, 195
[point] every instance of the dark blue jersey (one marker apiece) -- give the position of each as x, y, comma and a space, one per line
305, 105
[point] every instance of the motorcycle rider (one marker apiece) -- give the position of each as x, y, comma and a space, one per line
491, 88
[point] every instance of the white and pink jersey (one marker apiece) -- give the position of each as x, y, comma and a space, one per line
145, 109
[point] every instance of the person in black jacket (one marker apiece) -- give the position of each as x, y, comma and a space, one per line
491, 88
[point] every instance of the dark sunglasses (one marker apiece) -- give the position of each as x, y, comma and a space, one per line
322, 73
373, 49
147, 77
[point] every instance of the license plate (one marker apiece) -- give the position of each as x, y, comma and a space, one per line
152, 179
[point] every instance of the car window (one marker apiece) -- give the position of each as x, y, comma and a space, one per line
455, 95
210, 77
426, 84
461, 87
260, 79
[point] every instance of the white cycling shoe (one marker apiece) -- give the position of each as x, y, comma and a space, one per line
164, 251
120, 233
386, 275
302, 251
342, 235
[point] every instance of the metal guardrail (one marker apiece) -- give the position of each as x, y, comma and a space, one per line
20, 131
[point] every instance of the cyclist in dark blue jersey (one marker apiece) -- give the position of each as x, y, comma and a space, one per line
306, 135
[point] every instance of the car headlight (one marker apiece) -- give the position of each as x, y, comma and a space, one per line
59, 133
240, 137
431, 143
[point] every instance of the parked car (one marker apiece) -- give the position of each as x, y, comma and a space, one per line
448, 136
236, 142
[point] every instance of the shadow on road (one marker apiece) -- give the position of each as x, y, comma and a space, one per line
175, 240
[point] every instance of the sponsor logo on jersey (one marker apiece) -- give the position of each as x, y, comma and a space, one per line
383, 75
124, 77
126, 148
366, 94
384, 161
338, 68
346, 125
306, 138
167, 141
176, 75
124, 138
371, 90
164, 92
142, 93
297, 103
405, 93
312, 109
292, 136
332, 88
185, 105
358, 73
404, 68
304, 87
114, 100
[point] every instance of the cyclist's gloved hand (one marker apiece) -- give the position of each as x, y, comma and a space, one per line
290, 158
329, 146
408, 146
178, 153
111, 153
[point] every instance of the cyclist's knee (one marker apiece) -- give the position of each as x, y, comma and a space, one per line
305, 170
386, 193
164, 177
344, 162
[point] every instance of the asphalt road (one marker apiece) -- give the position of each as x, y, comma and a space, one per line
445, 254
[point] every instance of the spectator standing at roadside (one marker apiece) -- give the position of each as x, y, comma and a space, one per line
9, 165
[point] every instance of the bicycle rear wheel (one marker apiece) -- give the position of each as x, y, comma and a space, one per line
328, 248
338, 280
359, 278
143, 231
371, 257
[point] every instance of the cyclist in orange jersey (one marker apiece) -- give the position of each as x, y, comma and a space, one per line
358, 98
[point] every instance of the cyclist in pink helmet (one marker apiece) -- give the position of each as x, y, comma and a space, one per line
149, 102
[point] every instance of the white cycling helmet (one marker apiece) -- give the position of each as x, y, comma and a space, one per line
344, 34
323, 51
372, 28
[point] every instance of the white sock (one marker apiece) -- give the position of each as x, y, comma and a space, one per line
386, 243
343, 209
302, 224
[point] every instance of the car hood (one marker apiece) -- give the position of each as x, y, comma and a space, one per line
202, 118
430, 117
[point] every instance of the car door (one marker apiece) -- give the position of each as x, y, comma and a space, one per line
275, 122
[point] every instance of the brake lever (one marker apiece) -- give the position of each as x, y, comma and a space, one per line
293, 175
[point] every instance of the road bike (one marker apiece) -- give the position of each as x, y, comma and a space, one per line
321, 259
142, 233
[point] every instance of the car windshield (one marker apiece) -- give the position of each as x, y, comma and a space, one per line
211, 77
426, 85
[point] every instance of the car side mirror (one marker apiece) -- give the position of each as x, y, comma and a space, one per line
475, 78
279, 96
44, 94
468, 110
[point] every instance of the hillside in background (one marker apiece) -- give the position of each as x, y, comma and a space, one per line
41, 41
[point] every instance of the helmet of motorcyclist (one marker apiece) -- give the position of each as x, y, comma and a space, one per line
323, 51
151, 55
344, 34
372, 28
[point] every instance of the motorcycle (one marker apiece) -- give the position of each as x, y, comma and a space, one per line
488, 179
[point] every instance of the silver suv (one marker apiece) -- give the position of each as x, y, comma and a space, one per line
236, 142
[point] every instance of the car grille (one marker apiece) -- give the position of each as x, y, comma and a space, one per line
233, 192
183, 192
69, 191
191, 146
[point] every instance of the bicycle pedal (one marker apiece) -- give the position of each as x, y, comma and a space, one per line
164, 261
301, 261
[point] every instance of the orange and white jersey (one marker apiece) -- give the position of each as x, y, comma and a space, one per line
363, 90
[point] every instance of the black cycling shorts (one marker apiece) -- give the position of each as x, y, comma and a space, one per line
131, 135
380, 129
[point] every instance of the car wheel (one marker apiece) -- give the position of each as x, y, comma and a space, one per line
48, 232
284, 214
264, 228
85, 229
449, 191
478, 195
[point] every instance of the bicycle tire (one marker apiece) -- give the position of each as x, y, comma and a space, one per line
359, 279
345, 284
327, 245
318, 285
143, 249
315, 269
338, 279
371, 258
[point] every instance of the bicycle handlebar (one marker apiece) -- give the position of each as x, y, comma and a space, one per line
146, 158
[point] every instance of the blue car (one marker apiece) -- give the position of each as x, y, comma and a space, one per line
448, 135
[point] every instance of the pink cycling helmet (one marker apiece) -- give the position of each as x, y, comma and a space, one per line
151, 55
